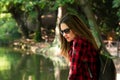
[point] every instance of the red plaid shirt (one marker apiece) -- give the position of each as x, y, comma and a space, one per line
83, 60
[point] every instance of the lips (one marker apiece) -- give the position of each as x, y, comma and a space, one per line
66, 37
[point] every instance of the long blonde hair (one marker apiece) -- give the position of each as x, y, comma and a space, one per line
76, 25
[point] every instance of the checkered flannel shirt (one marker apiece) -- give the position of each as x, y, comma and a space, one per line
83, 60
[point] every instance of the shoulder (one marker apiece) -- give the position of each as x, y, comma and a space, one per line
83, 43
81, 40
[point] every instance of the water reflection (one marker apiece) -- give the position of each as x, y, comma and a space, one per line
15, 65
4, 63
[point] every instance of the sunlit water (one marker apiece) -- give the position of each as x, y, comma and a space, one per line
16, 65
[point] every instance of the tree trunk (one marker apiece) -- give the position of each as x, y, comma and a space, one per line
19, 16
39, 24
93, 25
61, 12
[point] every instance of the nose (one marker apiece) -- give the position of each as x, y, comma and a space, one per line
64, 34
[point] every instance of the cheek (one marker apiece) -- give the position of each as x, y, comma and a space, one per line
72, 35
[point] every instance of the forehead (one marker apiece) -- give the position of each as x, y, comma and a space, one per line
63, 26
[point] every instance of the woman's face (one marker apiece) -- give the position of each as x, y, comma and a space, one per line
67, 33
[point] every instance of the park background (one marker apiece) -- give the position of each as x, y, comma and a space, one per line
29, 36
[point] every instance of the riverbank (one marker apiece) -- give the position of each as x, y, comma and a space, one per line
45, 49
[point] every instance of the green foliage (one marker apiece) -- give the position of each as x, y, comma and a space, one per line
118, 32
106, 11
8, 28
61, 2
37, 36
116, 4
104, 29
28, 5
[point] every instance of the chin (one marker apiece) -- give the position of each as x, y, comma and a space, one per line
69, 40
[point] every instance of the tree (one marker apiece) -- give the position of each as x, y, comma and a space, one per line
18, 15
27, 14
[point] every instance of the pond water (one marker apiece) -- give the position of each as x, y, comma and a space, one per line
17, 65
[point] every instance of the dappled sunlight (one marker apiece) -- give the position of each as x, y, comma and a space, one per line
4, 63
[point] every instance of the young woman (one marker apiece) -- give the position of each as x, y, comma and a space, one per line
79, 46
